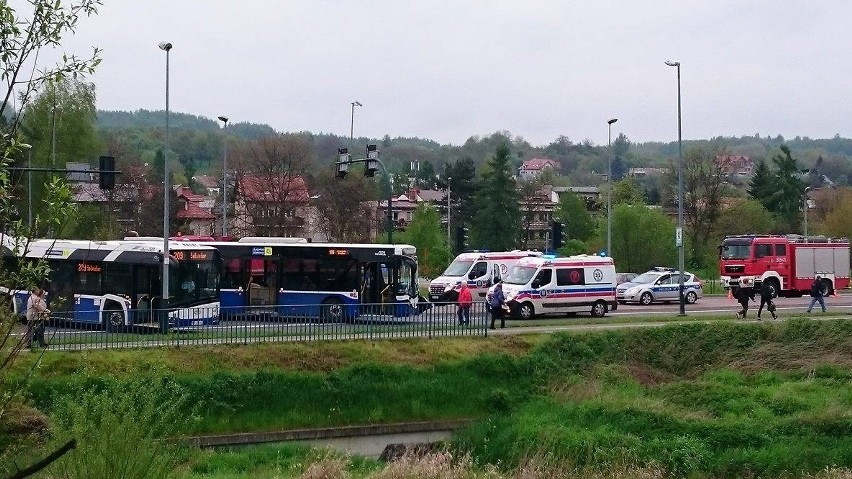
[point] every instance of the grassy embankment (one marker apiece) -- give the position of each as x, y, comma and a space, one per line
708, 400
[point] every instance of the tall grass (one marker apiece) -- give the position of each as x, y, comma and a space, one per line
721, 399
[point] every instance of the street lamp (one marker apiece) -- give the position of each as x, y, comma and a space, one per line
806, 210
679, 233
166, 47
352, 123
224, 119
609, 188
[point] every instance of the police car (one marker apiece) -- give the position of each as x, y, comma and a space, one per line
659, 285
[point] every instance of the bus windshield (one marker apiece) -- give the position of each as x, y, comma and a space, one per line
458, 267
520, 274
193, 282
736, 251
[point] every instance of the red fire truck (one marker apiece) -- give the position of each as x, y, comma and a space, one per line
789, 262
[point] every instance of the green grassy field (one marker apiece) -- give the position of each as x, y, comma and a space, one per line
723, 399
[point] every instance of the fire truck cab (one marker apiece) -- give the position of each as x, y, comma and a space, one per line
789, 262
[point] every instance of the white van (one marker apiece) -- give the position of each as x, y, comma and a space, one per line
479, 270
573, 284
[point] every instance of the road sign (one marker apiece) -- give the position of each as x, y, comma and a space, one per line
679, 237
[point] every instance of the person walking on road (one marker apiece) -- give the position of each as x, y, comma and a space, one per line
744, 294
37, 314
816, 294
767, 292
495, 305
464, 303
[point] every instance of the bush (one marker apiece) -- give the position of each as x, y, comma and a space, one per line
118, 430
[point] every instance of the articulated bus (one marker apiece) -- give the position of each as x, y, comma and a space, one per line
116, 284
329, 281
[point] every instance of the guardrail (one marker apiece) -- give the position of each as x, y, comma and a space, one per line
260, 325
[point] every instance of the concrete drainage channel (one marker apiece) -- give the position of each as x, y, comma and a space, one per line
386, 440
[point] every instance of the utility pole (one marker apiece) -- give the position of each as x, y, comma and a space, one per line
449, 235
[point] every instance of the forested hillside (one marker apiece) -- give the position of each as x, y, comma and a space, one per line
197, 141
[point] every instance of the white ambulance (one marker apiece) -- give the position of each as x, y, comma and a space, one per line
573, 284
478, 269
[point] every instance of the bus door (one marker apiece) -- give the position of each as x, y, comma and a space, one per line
404, 281
375, 289
263, 285
147, 292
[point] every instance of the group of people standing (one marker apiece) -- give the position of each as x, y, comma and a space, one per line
744, 294
495, 299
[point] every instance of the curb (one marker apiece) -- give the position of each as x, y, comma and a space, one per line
321, 433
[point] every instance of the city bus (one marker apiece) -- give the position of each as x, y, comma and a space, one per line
333, 282
117, 284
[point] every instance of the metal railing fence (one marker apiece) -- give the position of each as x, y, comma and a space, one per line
252, 325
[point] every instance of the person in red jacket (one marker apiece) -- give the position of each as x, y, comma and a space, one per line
465, 301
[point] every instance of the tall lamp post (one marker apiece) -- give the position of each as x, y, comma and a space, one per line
609, 188
679, 233
352, 123
166, 47
224, 119
805, 208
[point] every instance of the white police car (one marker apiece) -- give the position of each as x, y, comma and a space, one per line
659, 285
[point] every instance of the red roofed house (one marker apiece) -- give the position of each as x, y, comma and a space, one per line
194, 212
534, 167
271, 206
735, 165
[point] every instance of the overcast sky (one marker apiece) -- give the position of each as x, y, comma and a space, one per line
447, 70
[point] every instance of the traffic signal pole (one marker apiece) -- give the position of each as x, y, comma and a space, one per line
372, 163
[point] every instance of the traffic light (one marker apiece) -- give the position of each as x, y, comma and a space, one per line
106, 175
461, 239
371, 164
558, 235
343, 162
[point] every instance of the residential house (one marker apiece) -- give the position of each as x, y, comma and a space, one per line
271, 206
403, 207
537, 218
535, 166
644, 172
194, 212
209, 183
735, 165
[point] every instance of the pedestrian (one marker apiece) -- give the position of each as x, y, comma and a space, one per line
37, 314
816, 294
464, 302
743, 294
767, 292
495, 305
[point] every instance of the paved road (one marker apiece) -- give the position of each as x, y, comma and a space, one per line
722, 304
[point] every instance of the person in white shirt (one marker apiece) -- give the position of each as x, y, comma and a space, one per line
37, 314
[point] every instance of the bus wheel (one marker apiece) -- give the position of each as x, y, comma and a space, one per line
113, 317
332, 311
599, 309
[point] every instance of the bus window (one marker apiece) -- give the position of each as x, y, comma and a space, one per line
88, 282
233, 277
118, 276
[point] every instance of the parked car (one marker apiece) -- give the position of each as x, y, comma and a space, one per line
624, 277
659, 285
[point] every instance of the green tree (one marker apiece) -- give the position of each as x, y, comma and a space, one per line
642, 238
571, 212
627, 191
424, 232
497, 221
788, 189
838, 220
461, 178
760, 185
744, 217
